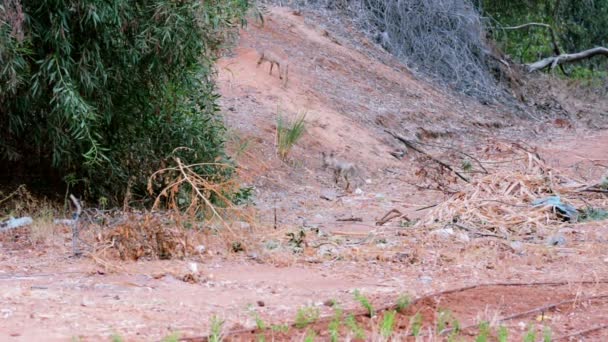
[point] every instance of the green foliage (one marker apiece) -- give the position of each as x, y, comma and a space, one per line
530, 336
503, 334
403, 302
365, 303
105, 90
310, 336
117, 338
334, 325
484, 332
593, 214
351, 323
280, 328
174, 337
306, 316
416, 324
215, 335
547, 334
288, 134
388, 324
578, 25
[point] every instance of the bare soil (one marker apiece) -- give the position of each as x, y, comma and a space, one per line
350, 97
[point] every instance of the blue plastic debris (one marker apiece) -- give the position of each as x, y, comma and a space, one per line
566, 210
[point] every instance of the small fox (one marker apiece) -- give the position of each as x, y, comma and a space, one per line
270, 57
340, 168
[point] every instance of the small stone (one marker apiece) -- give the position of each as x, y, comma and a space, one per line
443, 233
193, 267
200, 249
425, 279
517, 245
329, 302
556, 240
261, 303
358, 191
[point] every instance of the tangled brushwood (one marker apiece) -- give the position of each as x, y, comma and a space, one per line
146, 236
197, 189
443, 39
522, 199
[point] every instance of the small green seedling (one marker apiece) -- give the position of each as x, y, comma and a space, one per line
351, 323
310, 336
334, 325
216, 329
547, 334
530, 335
365, 303
282, 328
388, 324
403, 302
117, 338
306, 316
503, 334
416, 324
484, 332
173, 337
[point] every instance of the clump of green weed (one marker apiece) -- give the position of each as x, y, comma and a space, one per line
403, 302
484, 332
446, 320
416, 324
547, 334
282, 328
365, 303
530, 335
117, 338
351, 323
388, 324
334, 325
503, 334
173, 337
215, 334
306, 316
593, 214
288, 133
310, 336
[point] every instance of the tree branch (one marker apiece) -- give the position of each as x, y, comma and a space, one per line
566, 58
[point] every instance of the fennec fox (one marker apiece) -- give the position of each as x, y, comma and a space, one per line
270, 57
340, 168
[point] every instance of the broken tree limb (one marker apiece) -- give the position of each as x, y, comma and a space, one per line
566, 58
392, 214
410, 144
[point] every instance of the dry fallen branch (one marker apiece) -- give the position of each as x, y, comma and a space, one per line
581, 332
411, 145
566, 58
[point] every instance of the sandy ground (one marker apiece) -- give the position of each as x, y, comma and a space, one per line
350, 97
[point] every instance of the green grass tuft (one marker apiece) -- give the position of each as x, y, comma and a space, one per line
388, 324
365, 303
288, 134
306, 316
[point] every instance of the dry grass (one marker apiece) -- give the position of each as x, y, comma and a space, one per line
501, 202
